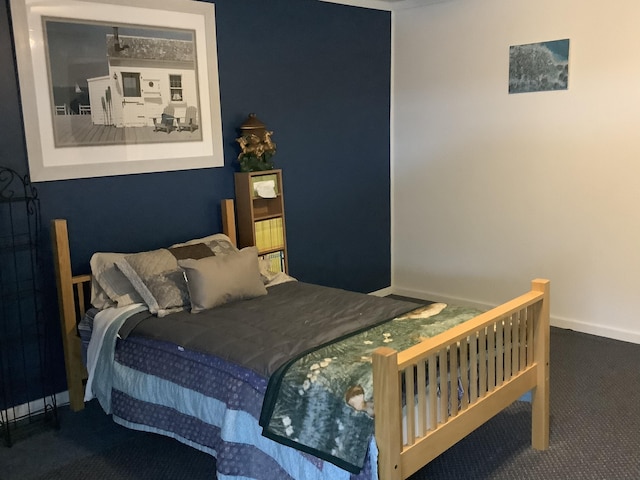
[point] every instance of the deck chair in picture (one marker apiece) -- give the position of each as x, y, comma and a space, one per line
189, 121
165, 124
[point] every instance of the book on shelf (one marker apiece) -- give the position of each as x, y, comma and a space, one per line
269, 234
276, 261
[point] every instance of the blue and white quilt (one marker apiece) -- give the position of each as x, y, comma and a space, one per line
159, 387
214, 403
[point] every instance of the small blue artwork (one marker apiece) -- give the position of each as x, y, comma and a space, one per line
538, 67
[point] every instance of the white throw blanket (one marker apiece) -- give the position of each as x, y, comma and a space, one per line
101, 323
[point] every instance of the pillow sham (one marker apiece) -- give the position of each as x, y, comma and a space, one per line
99, 298
195, 250
157, 279
219, 243
214, 281
110, 286
109, 281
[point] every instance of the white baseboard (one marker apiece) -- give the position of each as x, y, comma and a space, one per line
560, 322
34, 406
383, 292
595, 329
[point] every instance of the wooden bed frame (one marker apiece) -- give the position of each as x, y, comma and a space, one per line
508, 348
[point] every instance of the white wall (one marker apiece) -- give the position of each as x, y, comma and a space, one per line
492, 190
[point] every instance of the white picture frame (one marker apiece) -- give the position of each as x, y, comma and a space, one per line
140, 147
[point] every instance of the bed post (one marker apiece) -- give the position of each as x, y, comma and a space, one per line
388, 416
66, 301
229, 219
540, 399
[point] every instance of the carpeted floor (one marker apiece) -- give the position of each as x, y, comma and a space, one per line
595, 433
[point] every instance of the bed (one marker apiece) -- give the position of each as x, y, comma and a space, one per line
478, 366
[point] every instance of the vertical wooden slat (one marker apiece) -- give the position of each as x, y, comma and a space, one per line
388, 421
464, 372
530, 312
422, 398
515, 344
482, 354
499, 353
473, 368
433, 393
507, 349
491, 353
453, 369
410, 395
444, 386
80, 297
523, 339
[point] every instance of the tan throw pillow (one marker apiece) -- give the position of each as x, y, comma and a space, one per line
214, 281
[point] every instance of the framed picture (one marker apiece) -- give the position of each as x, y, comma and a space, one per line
117, 87
537, 67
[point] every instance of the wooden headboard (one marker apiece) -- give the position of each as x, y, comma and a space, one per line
72, 294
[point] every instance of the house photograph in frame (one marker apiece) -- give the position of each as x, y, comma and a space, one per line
127, 85
538, 67
103, 96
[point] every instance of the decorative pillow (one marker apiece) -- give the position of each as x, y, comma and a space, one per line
214, 281
108, 279
219, 243
156, 277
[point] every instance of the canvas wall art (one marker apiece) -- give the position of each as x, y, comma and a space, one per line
537, 67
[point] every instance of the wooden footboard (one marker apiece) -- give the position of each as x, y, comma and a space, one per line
496, 358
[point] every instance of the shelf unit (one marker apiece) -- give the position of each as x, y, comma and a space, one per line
261, 218
27, 401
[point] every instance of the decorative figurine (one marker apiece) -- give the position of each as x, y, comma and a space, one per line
256, 146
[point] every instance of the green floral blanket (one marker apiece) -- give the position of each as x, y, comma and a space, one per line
322, 403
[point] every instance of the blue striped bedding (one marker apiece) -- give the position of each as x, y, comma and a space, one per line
207, 403
215, 406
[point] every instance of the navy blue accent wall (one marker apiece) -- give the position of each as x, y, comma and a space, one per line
318, 74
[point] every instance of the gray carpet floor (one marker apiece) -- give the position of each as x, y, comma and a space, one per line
595, 433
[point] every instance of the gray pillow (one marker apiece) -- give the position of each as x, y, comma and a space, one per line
109, 281
113, 286
214, 281
157, 278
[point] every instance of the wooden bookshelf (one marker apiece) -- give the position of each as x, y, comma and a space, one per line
260, 214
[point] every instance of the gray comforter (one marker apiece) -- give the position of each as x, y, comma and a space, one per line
264, 333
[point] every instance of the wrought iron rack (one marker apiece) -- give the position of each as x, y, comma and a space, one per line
26, 399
